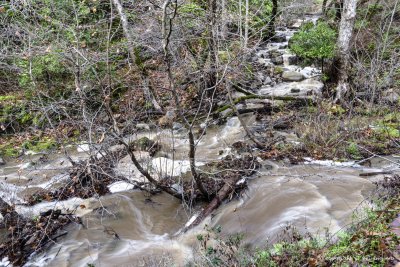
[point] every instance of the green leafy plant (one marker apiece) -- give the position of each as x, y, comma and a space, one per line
316, 42
353, 151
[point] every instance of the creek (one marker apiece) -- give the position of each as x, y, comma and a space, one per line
131, 228
314, 196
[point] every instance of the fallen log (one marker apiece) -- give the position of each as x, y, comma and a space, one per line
306, 100
222, 194
265, 109
368, 174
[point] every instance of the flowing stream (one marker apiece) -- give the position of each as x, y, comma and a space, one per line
128, 228
314, 195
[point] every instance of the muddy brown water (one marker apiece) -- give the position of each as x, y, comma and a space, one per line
130, 228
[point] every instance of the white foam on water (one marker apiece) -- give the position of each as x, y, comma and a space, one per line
75, 205
120, 186
331, 163
169, 167
5, 262
83, 148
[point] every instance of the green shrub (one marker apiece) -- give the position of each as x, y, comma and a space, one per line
353, 151
314, 41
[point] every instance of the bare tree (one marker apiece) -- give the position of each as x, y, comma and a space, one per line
167, 24
341, 62
271, 22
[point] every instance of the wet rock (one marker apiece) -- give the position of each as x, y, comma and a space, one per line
309, 72
2, 161
295, 90
291, 59
255, 85
283, 45
263, 54
292, 76
297, 24
276, 53
277, 60
263, 61
177, 126
267, 81
279, 38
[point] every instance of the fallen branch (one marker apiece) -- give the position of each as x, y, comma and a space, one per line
307, 100
238, 169
222, 194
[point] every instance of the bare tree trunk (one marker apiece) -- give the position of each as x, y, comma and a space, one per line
343, 47
224, 26
271, 22
148, 92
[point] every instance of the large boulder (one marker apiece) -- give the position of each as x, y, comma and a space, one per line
2, 162
292, 76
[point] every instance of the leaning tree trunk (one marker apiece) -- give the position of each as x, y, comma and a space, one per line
341, 62
148, 92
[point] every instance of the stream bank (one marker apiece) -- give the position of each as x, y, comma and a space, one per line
129, 227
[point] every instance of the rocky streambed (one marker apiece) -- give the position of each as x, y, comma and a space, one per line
132, 227
129, 227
